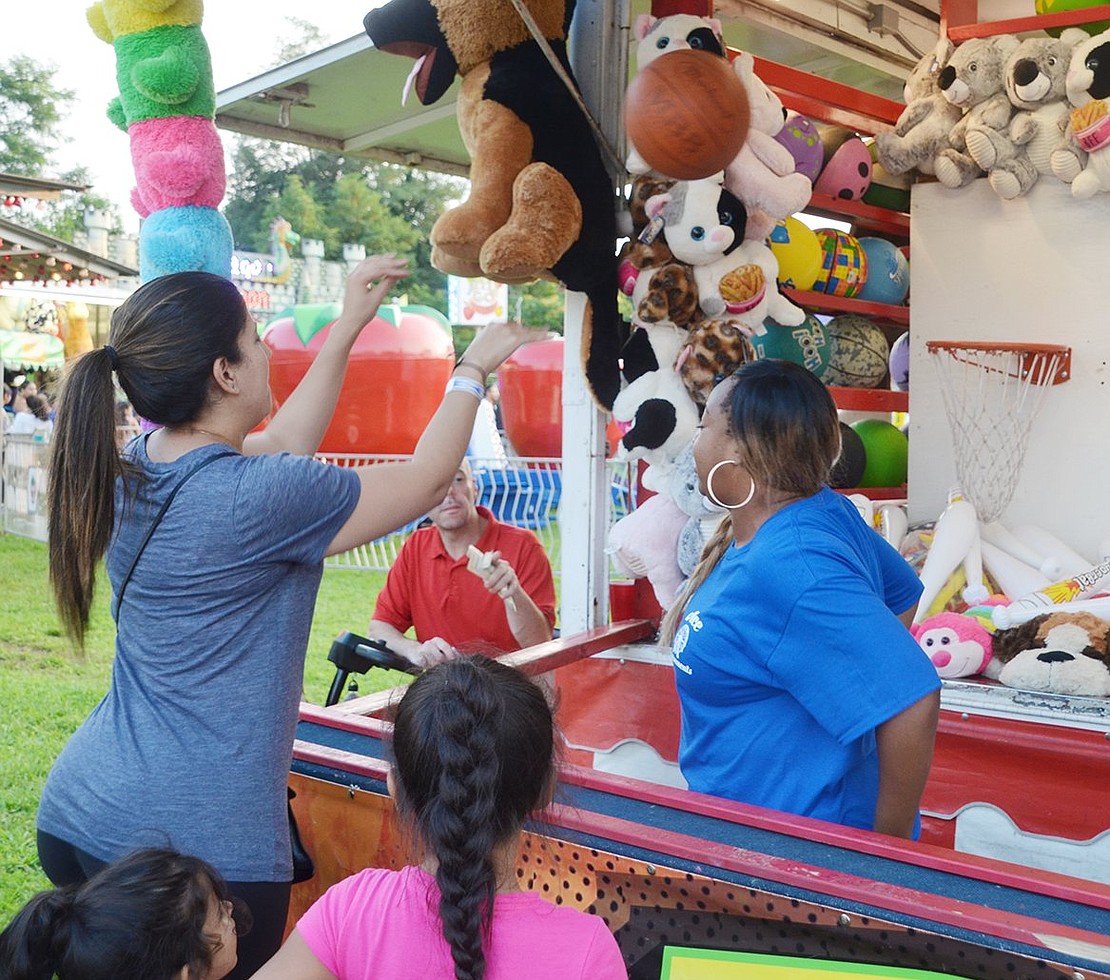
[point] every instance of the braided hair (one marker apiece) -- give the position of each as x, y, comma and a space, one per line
473, 744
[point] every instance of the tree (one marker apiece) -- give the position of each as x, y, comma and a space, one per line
65, 217
31, 107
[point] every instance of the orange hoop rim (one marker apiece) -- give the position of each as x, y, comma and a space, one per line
996, 345
1032, 365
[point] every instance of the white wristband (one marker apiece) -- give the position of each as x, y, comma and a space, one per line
468, 385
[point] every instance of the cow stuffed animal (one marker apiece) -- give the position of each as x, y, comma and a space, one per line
1088, 89
663, 35
541, 203
735, 277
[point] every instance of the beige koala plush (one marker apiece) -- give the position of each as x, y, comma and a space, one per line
922, 130
1015, 157
974, 80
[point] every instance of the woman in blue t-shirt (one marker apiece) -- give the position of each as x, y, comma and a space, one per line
800, 686
191, 746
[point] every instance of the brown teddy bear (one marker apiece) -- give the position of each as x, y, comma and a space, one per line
1061, 653
541, 203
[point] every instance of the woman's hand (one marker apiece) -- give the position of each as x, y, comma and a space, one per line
367, 286
495, 342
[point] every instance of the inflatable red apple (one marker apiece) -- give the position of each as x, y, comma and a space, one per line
396, 374
531, 386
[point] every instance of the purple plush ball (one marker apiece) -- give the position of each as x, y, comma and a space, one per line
801, 138
900, 363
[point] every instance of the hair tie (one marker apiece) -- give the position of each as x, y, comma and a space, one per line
113, 357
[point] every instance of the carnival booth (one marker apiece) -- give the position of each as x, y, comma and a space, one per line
1012, 875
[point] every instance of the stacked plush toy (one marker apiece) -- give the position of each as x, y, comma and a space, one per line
1013, 110
698, 269
167, 105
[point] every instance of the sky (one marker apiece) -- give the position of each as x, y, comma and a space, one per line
242, 36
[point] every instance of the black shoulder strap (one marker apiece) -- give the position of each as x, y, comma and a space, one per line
158, 520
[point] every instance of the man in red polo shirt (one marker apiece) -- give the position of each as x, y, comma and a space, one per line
454, 610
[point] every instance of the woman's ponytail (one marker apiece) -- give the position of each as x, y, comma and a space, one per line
33, 945
163, 342
712, 553
84, 465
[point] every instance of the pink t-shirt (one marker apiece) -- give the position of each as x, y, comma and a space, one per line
381, 923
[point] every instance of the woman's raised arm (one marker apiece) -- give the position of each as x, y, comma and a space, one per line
300, 423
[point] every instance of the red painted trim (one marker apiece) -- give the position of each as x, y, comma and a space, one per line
922, 905
826, 100
824, 303
785, 871
352, 762
957, 13
861, 213
699, 8
532, 660
862, 841
1019, 25
870, 399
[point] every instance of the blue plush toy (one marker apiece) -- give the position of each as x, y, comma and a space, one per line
184, 239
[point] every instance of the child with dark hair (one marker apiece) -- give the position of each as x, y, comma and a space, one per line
474, 755
153, 915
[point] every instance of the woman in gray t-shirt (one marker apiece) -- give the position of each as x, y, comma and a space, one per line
191, 746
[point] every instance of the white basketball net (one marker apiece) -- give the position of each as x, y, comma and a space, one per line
991, 397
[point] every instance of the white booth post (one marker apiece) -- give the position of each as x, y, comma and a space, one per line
599, 58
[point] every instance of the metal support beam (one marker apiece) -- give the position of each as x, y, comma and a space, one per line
599, 57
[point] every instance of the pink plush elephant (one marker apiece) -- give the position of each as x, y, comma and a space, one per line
178, 161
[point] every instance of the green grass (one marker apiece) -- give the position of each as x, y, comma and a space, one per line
47, 688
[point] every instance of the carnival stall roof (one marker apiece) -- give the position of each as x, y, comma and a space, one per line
326, 100
28, 254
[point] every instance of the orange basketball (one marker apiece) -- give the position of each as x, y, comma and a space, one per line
687, 114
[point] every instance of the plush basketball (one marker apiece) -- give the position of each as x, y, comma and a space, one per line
899, 363
805, 344
887, 450
687, 114
1043, 7
843, 263
799, 135
849, 467
858, 355
888, 272
798, 252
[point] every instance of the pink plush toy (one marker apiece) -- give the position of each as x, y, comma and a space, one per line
178, 161
644, 544
957, 645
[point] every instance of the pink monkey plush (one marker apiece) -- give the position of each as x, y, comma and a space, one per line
957, 645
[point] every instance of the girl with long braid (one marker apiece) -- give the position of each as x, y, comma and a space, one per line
474, 751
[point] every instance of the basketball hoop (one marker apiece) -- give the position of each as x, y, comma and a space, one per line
992, 392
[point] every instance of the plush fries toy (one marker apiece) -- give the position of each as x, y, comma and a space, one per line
481, 564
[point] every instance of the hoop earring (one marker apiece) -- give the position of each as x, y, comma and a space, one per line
717, 500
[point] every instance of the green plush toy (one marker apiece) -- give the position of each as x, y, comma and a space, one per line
163, 72
110, 19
